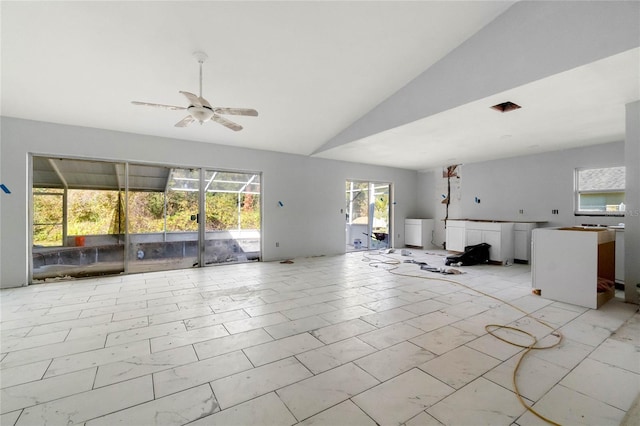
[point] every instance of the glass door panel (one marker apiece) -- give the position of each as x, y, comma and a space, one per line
163, 218
48, 218
232, 212
78, 219
96, 218
357, 230
368, 215
381, 216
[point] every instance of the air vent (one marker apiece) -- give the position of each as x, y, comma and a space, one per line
506, 107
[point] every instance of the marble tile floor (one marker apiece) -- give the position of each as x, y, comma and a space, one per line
335, 340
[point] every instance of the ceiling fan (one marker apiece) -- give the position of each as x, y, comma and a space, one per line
200, 109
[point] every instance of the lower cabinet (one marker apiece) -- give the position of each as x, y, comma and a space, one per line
510, 241
474, 236
522, 241
499, 235
620, 256
456, 235
418, 232
574, 265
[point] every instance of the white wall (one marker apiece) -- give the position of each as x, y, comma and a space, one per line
536, 184
432, 190
424, 199
311, 190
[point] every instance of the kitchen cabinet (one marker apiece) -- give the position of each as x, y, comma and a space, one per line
456, 235
522, 241
499, 235
418, 232
619, 274
567, 264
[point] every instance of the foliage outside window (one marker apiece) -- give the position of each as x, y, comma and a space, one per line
223, 212
93, 212
381, 208
146, 212
358, 202
96, 212
358, 205
600, 191
47, 216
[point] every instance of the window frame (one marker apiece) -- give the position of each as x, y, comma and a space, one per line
577, 192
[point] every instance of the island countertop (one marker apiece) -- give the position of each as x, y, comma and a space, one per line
498, 221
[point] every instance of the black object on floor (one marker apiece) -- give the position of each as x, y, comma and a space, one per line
472, 255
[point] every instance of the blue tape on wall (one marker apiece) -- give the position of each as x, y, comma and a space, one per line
4, 188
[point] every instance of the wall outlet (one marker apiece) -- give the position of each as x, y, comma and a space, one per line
277, 244
555, 211
521, 211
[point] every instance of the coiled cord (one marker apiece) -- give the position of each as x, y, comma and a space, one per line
393, 264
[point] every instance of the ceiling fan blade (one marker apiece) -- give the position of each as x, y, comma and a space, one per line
193, 99
204, 102
230, 124
185, 121
236, 111
171, 107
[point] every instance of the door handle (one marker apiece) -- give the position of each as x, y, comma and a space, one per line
196, 217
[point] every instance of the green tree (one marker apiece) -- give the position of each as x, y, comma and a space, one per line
222, 211
98, 212
146, 212
90, 212
180, 206
250, 218
47, 217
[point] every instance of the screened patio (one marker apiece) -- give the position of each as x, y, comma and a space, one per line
99, 217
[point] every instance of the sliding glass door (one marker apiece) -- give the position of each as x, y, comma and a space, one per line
232, 212
368, 217
97, 218
78, 218
163, 219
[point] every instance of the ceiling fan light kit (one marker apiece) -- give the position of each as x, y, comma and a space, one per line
200, 109
201, 114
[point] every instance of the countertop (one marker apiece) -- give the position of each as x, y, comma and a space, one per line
500, 221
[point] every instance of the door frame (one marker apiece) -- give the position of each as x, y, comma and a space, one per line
124, 185
371, 185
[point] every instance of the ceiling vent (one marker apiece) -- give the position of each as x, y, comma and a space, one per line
506, 107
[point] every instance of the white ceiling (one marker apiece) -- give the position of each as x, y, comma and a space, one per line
310, 68
580, 107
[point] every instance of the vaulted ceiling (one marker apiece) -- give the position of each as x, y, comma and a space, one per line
320, 74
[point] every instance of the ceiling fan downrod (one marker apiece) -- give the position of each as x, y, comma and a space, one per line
201, 57
200, 94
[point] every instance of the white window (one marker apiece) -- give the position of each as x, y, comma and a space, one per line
600, 192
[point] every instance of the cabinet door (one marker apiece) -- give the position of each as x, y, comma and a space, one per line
493, 238
619, 257
474, 237
455, 238
521, 245
412, 234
